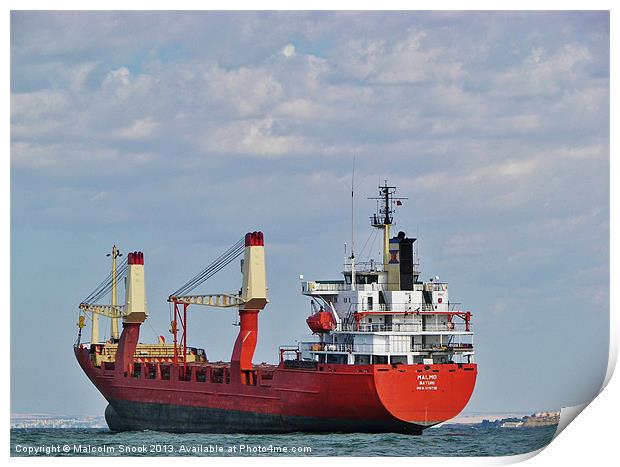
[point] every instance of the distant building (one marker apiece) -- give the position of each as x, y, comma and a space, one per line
511, 424
534, 420
542, 419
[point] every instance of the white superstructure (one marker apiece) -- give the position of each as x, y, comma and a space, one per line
388, 315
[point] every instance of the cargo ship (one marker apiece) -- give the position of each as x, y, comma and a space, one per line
388, 353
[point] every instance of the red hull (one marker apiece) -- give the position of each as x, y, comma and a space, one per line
330, 397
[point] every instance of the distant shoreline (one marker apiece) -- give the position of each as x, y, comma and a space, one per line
42, 420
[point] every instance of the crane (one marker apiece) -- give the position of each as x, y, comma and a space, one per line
251, 299
134, 309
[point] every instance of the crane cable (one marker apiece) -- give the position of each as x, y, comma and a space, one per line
216, 266
102, 291
105, 286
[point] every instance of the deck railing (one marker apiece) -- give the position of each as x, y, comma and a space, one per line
409, 327
382, 348
341, 285
366, 266
335, 286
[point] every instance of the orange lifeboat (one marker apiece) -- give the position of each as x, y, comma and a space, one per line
321, 321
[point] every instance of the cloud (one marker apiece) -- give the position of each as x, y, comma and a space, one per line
260, 137
139, 129
37, 105
120, 84
393, 89
100, 195
76, 159
542, 73
407, 59
288, 50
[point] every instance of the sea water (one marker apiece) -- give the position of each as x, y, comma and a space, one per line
441, 441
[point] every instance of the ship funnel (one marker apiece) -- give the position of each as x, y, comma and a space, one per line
402, 268
135, 295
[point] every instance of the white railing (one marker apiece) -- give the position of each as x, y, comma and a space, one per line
323, 287
442, 347
381, 348
409, 327
340, 347
312, 286
340, 286
365, 266
409, 308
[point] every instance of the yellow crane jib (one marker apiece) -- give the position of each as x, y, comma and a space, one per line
104, 310
221, 300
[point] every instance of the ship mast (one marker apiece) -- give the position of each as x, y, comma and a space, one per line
352, 228
94, 332
384, 218
114, 321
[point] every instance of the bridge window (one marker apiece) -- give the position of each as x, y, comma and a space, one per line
398, 359
366, 279
336, 358
362, 359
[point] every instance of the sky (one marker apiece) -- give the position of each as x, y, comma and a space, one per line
174, 133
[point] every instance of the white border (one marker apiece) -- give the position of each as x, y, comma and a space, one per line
587, 440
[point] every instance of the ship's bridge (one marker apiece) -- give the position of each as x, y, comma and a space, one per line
323, 287
381, 312
332, 287
335, 287
369, 276
372, 323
